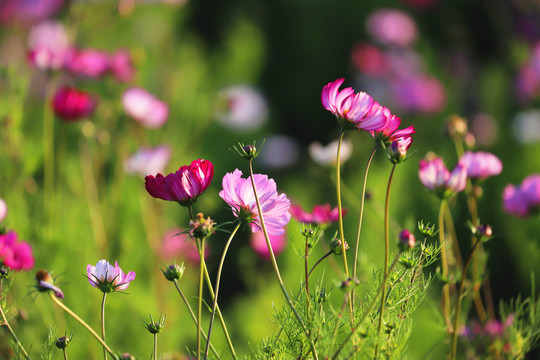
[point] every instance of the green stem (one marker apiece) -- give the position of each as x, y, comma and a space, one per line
103, 323
192, 314
386, 255
458, 302
340, 210
199, 302
65, 354
216, 291
82, 322
48, 158
306, 266
155, 346
276, 268
444, 264
339, 319
13, 335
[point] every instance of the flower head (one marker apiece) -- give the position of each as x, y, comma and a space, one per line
321, 214
481, 165
242, 108
392, 27
48, 45
390, 133
435, 176
46, 283
524, 199
90, 63
238, 194
148, 160
406, 240
121, 67
145, 108
108, 278
185, 185
72, 104
14, 254
258, 244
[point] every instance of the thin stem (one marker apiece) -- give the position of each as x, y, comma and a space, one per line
155, 346
444, 264
192, 314
340, 210
386, 255
199, 302
103, 323
82, 322
48, 158
13, 335
306, 266
458, 303
216, 291
65, 354
276, 268
361, 216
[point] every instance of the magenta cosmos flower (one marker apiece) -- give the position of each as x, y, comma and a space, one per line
258, 244
435, 176
14, 254
481, 165
108, 278
390, 133
183, 186
145, 108
358, 111
321, 214
90, 63
72, 104
238, 194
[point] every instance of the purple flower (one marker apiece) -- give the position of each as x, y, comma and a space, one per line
258, 244
148, 161
3, 210
435, 176
531, 189
392, 27
514, 201
480, 165
238, 194
321, 214
12, 11
91, 63
14, 254
183, 186
121, 67
145, 108
48, 45
108, 278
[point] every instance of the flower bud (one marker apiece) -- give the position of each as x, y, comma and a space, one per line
201, 228
337, 248
457, 127
127, 356
426, 229
406, 240
155, 327
174, 272
484, 232
397, 152
247, 152
63, 342
45, 283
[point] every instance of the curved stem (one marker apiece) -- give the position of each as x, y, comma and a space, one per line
13, 335
444, 264
386, 254
192, 314
103, 323
199, 302
82, 322
276, 268
340, 210
216, 291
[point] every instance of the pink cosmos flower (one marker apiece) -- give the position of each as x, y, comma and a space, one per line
185, 185
91, 63
321, 214
406, 239
258, 243
243, 108
390, 132
177, 244
3, 210
28, 10
121, 66
358, 111
14, 254
48, 45
145, 108
515, 201
481, 165
435, 176
369, 59
148, 161
531, 189
108, 278
392, 27
72, 104
238, 194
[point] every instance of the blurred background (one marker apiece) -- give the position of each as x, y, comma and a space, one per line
72, 171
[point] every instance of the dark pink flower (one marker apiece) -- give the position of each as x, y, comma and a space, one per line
145, 108
178, 244
185, 185
258, 243
481, 165
515, 201
121, 66
435, 176
238, 194
369, 59
72, 104
321, 214
14, 254
89, 63
406, 240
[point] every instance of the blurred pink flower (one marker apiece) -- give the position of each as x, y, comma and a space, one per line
183, 186
48, 45
327, 155
3, 210
14, 254
91, 63
243, 108
421, 93
435, 176
352, 110
480, 165
108, 278
72, 104
406, 240
258, 243
514, 201
531, 189
148, 161
369, 59
392, 27
145, 108
13, 11
321, 214
238, 194
121, 66
280, 151
179, 244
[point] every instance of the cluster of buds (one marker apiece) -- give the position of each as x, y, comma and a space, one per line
201, 228
336, 246
174, 272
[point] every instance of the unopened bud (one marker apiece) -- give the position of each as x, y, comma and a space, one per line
337, 248
174, 272
407, 240
45, 283
155, 327
457, 127
484, 232
62, 342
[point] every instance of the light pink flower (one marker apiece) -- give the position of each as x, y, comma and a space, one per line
176, 244
258, 243
14, 254
145, 108
321, 214
121, 66
238, 194
185, 185
3, 210
515, 201
108, 278
243, 108
327, 155
435, 176
148, 161
91, 63
48, 45
392, 27
481, 165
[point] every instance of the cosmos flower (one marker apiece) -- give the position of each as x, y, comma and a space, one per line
14, 254
108, 278
148, 160
145, 108
481, 165
258, 244
243, 108
48, 45
3, 210
90, 63
435, 176
183, 186
121, 66
178, 244
321, 214
392, 27
72, 104
238, 194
